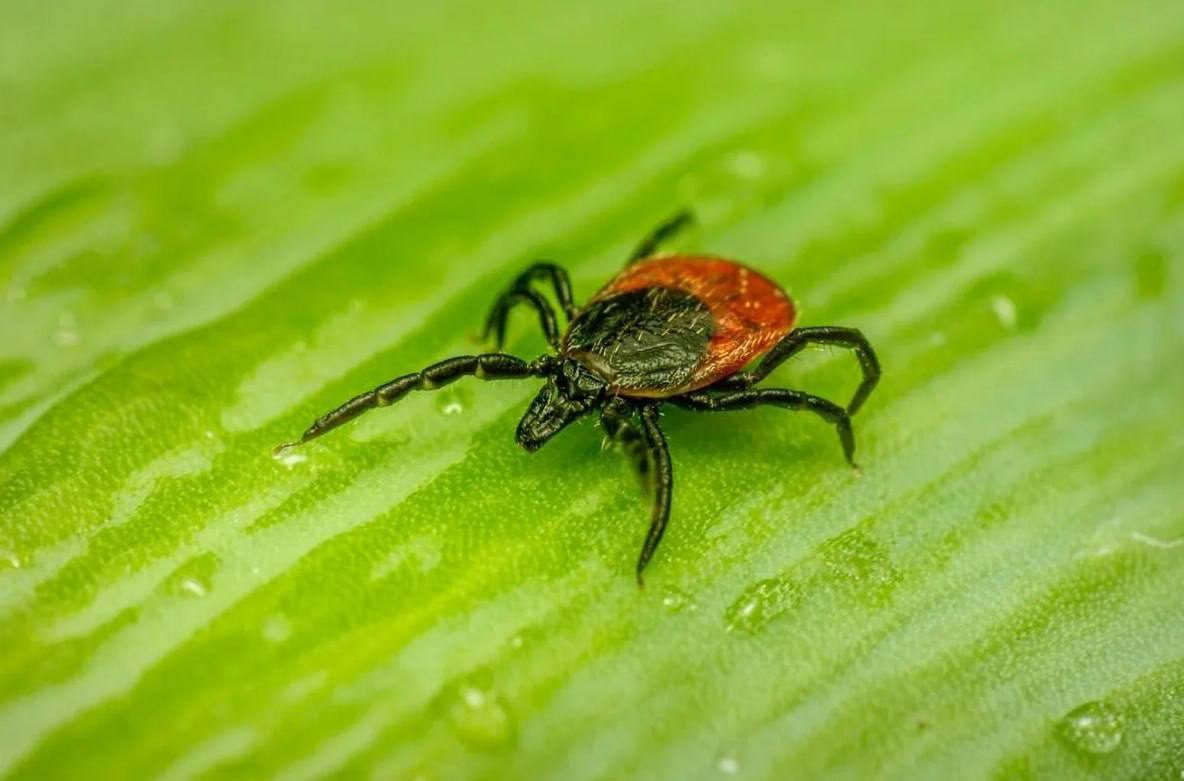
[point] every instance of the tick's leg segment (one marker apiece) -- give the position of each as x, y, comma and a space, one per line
659, 454
496, 322
664, 232
791, 345
790, 399
520, 292
491, 366
616, 419
560, 284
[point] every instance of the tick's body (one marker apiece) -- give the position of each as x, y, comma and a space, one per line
670, 325
672, 329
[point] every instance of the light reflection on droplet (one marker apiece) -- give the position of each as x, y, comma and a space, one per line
66, 334
676, 601
728, 765
451, 401
760, 603
746, 164
480, 716
289, 457
1005, 310
1092, 728
193, 587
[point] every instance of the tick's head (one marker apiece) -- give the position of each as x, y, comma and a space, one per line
570, 393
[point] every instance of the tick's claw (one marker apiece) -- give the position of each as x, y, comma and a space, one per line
278, 450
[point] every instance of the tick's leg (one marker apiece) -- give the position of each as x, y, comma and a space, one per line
616, 419
560, 284
850, 338
659, 455
496, 322
664, 232
491, 366
790, 399
520, 292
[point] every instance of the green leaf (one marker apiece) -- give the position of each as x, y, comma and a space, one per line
218, 220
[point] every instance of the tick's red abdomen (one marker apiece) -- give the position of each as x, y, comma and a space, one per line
750, 312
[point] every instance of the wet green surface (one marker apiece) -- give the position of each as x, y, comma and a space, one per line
217, 220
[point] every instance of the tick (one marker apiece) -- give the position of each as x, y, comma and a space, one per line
668, 329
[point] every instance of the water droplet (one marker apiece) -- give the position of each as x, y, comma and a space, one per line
451, 401
66, 334
480, 717
728, 765
1005, 309
277, 628
517, 643
193, 587
859, 566
746, 164
9, 560
760, 603
289, 457
1093, 728
193, 578
677, 601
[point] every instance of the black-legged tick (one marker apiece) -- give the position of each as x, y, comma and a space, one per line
676, 329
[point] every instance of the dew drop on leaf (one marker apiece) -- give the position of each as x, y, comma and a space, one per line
277, 628
289, 457
728, 765
1005, 310
760, 603
677, 601
192, 587
1092, 728
480, 716
9, 560
451, 402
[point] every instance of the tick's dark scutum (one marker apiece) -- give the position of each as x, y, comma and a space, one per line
643, 340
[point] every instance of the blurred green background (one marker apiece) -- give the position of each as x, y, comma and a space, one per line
217, 219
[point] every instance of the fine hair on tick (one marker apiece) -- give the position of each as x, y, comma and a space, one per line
668, 329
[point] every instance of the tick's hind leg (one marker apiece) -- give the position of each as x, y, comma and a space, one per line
520, 292
838, 336
664, 232
702, 401
491, 366
659, 454
647, 449
616, 420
